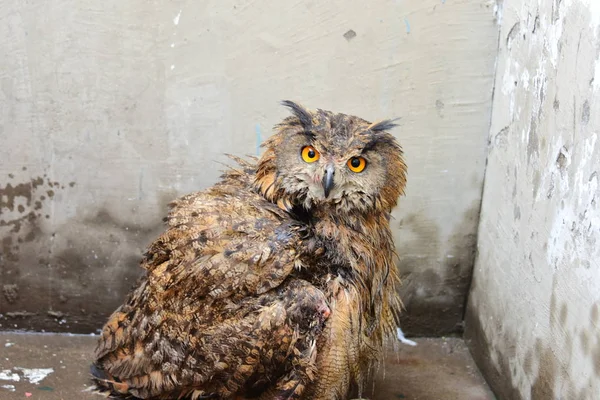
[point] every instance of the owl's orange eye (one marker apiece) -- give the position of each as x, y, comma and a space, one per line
309, 154
357, 164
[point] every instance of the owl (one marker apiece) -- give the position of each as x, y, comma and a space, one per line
278, 282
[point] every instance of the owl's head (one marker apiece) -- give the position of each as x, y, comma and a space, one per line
337, 162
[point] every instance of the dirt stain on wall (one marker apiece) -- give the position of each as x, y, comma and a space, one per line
435, 298
67, 278
13, 214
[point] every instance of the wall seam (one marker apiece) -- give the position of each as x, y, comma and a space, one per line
500, 5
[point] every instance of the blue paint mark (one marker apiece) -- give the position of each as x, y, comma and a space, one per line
443, 1
407, 25
258, 138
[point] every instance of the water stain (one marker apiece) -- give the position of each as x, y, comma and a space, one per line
533, 144
596, 359
421, 236
594, 314
537, 179
563, 314
585, 113
11, 293
517, 212
498, 374
439, 106
544, 382
551, 187
435, 298
23, 198
528, 362
17, 223
9, 252
26, 254
104, 218
9, 194
584, 339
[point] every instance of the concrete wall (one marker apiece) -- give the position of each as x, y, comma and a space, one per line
534, 312
108, 110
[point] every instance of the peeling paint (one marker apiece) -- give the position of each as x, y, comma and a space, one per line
540, 226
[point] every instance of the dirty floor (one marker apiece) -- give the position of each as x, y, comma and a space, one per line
52, 366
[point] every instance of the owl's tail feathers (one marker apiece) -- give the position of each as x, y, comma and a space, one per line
108, 386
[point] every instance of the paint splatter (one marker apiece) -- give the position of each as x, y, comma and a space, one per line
8, 375
176, 19
407, 25
35, 375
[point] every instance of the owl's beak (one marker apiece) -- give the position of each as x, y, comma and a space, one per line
328, 179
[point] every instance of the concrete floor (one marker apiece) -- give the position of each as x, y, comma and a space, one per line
52, 366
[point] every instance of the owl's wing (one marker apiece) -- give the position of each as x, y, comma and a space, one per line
221, 242
205, 305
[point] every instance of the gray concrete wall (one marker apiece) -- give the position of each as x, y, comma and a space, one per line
108, 110
534, 311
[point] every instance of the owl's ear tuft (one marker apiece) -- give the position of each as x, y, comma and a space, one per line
300, 112
384, 125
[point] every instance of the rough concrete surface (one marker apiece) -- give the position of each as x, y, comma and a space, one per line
108, 110
534, 312
435, 369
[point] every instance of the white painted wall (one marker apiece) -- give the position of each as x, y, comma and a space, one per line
534, 312
116, 107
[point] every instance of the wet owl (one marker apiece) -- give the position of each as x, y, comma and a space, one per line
278, 282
